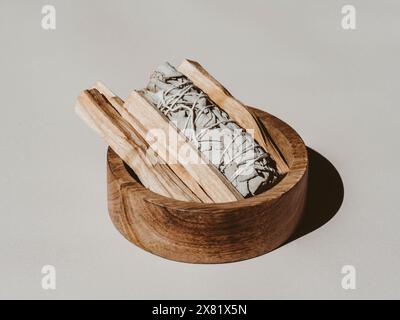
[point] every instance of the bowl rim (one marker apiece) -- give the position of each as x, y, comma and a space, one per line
297, 169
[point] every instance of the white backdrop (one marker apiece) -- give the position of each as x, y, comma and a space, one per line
338, 88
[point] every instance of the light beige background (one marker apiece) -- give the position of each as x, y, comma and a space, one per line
339, 89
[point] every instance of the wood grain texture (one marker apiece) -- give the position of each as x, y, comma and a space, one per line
212, 233
233, 107
176, 172
95, 109
176, 149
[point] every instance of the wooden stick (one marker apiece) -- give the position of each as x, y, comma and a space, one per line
100, 115
190, 182
236, 110
179, 150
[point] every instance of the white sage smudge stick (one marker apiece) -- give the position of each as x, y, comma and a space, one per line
231, 149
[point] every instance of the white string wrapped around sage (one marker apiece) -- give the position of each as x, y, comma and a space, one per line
221, 141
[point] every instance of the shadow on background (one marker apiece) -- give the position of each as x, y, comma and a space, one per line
324, 196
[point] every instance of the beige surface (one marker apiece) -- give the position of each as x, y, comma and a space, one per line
338, 88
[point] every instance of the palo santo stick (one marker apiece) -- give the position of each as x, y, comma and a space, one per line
118, 104
236, 110
96, 111
149, 119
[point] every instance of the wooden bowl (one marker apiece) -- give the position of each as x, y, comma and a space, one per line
212, 233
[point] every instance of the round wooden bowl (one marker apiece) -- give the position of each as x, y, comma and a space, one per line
212, 233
